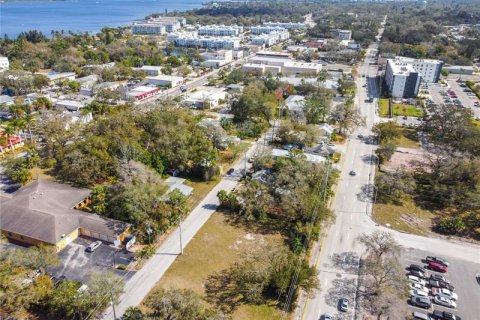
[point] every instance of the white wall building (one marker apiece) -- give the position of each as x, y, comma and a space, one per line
269, 39
158, 25
265, 29
4, 64
165, 81
220, 30
195, 41
402, 79
287, 25
428, 69
150, 70
204, 99
301, 68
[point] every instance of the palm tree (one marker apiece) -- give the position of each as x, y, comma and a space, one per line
8, 131
29, 120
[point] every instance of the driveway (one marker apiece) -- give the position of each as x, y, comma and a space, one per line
79, 265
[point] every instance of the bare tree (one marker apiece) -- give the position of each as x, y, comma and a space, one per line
380, 244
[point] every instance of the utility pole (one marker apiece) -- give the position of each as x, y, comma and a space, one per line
245, 164
181, 243
113, 306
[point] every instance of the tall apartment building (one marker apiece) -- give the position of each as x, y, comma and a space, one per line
220, 30
429, 69
402, 79
342, 34
286, 25
158, 25
403, 75
195, 41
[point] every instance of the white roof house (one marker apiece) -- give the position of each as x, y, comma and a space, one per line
295, 103
70, 105
310, 157
204, 99
165, 80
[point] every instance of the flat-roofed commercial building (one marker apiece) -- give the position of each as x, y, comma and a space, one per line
342, 34
141, 93
165, 81
429, 69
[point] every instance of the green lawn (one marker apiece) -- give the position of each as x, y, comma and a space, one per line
408, 217
216, 246
399, 109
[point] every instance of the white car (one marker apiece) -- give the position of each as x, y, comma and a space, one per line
444, 302
418, 293
418, 287
414, 279
442, 292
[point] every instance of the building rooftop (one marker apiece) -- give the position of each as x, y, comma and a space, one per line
44, 210
400, 67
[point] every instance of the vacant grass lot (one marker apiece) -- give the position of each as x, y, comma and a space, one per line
408, 139
408, 110
408, 217
215, 247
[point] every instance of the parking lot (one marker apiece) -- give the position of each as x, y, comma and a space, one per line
455, 95
79, 265
461, 275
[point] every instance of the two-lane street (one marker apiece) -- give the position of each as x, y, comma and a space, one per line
338, 248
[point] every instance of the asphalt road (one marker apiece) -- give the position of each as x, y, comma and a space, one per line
461, 275
338, 248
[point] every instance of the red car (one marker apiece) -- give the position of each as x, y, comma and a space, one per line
437, 267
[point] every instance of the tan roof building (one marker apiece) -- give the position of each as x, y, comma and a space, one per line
45, 212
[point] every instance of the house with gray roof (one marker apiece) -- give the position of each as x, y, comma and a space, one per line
48, 212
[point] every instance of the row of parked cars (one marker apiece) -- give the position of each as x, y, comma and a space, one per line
427, 287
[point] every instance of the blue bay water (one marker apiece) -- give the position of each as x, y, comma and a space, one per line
81, 15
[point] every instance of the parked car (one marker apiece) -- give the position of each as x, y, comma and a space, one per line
438, 277
230, 171
437, 267
417, 286
437, 260
444, 315
353, 173
445, 293
93, 246
344, 304
420, 316
441, 284
444, 302
327, 316
419, 274
416, 267
418, 293
421, 302
415, 279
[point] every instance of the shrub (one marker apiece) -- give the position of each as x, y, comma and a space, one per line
451, 225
